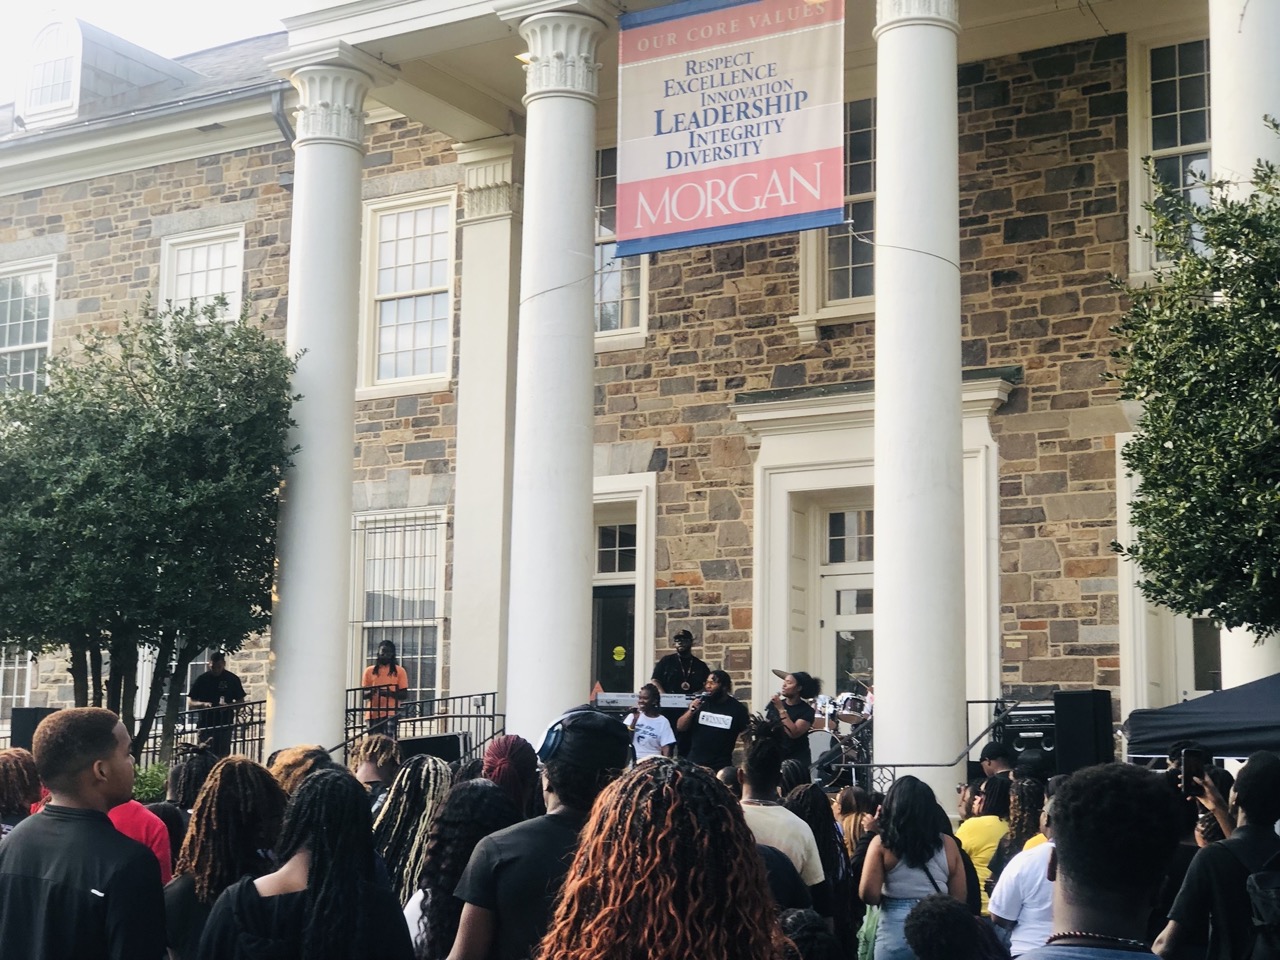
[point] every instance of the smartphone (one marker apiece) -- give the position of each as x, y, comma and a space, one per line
1193, 762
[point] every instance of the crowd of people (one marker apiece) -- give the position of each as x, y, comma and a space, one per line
600, 844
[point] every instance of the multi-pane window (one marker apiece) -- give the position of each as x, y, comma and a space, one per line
26, 312
1179, 108
850, 259
616, 548
199, 268
399, 568
51, 77
412, 298
618, 285
15, 672
850, 536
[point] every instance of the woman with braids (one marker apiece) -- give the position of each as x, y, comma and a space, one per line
981, 834
667, 869
1026, 800
908, 861
510, 762
809, 803
471, 811
235, 822
19, 787
324, 903
400, 830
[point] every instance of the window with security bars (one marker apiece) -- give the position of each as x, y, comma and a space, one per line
197, 269
26, 315
619, 280
399, 565
1179, 118
413, 300
15, 679
850, 253
49, 85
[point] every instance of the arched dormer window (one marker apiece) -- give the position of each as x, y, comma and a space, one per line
52, 80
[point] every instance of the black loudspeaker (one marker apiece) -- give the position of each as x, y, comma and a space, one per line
22, 726
446, 746
1029, 727
1082, 728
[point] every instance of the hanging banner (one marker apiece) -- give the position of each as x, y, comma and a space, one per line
730, 121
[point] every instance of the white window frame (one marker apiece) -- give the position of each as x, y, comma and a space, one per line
60, 109
49, 266
172, 246
816, 309
631, 338
435, 517
368, 387
1141, 259
633, 498
14, 659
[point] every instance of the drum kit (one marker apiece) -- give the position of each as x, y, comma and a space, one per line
833, 749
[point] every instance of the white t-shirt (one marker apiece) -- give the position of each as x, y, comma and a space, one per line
1024, 894
776, 826
652, 734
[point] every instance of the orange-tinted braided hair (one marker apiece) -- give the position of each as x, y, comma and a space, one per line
666, 868
19, 783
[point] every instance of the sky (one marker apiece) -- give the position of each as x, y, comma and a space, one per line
167, 28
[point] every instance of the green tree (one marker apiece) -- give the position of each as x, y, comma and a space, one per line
139, 495
1202, 354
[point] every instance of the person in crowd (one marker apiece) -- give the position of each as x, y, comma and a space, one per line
512, 763
981, 834
174, 824
137, 822
19, 787
71, 885
732, 782
789, 891
939, 927
680, 673
794, 773
1026, 801
234, 824
216, 687
633, 892
794, 716
1219, 817
186, 777
971, 885
966, 794
400, 830
810, 804
292, 765
375, 761
772, 823
808, 933
1022, 901
651, 731
470, 812
471, 768
1115, 827
1193, 944
714, 722
385, 685
511, 881
997, 759
909, 860
1213, 893
324, 902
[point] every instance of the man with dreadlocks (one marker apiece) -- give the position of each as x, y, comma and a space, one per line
375, 761
385, 684
512, 879
236, 821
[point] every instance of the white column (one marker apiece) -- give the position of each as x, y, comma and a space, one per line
1244, 85
919, 497
549, 626
486, 414
309, 634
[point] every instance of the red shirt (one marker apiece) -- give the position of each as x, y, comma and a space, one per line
138, 823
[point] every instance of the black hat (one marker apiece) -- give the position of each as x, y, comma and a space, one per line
995, 750
586, 737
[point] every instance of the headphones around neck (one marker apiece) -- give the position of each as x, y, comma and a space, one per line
554, 739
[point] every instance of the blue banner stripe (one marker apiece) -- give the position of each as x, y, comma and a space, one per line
736, 231
675, 11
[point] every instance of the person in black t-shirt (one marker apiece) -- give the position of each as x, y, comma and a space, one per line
680, 673
795, 716
71, 885
214, 687
714, 722
513, 877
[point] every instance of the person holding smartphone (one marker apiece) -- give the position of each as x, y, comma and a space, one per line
651, 733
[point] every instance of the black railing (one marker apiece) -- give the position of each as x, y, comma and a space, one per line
470, 718
237, 728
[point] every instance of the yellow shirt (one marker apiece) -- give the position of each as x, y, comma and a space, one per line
980, 836
1035, 841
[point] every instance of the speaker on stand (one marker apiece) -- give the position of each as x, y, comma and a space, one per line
23, 723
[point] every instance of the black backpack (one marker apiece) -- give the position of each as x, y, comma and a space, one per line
1264, 895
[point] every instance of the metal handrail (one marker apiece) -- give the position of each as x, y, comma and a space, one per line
964, 753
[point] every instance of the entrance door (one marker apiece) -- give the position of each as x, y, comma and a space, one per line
613, 637
847, 607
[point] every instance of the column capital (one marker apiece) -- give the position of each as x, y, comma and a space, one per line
332, 79
562, 55
900, 13
492, 171
606, 11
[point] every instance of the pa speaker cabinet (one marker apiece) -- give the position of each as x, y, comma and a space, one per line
1082, 725
22, 725
446, 746
1028, 730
